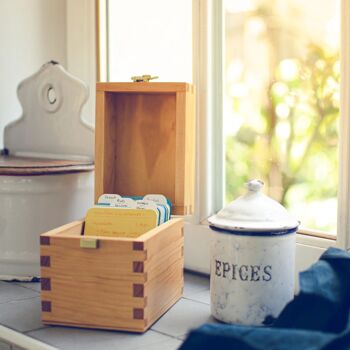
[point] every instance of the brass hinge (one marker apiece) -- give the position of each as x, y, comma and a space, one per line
143, 78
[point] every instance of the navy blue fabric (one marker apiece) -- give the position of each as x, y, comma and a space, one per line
317, 318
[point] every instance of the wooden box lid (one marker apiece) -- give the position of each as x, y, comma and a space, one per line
145, 141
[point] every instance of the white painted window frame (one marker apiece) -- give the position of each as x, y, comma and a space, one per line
343, 234
81, 48
207, 66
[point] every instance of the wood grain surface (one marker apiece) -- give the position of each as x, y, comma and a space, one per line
11, 165
99, 288
145, 141
144, 87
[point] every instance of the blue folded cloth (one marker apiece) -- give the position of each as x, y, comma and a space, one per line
317, 318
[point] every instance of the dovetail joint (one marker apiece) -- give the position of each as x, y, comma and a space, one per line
44, 240
138, 290
45, 261
138, 266
45, 283
138, 314
46, 306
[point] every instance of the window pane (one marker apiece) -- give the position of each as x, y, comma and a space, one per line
281, 103
150, 37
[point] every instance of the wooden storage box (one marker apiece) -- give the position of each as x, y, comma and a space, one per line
144, 144
122, 284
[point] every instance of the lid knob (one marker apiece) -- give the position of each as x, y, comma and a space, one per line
254, 185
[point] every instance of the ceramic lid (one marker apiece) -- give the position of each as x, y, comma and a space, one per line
254, 211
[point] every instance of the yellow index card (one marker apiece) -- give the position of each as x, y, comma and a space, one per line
119, 222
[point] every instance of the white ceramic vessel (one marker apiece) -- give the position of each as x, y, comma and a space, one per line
32, 202
253, 258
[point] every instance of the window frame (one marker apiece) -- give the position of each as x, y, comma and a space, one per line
343, 224
81, 48
209, 192
208, 26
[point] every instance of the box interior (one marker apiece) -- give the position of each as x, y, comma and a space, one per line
140, 153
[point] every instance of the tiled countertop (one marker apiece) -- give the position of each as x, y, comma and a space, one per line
20, 310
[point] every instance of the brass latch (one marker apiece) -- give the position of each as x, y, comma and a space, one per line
143, 78
89, 243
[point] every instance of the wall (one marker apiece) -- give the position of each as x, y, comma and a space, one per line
156, 39
81, 53
31, 33
34, 32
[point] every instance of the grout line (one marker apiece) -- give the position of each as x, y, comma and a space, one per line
22, 341
197, 301
23, 332
166, 334
22, 286
18, 300
193, 292
27, 287
34, 330
183, 336
9, 327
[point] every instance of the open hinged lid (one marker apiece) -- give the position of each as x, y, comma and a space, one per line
254, 211
145, 141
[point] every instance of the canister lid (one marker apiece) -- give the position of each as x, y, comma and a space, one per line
254, 211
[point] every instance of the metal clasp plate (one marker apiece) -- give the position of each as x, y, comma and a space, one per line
89, 243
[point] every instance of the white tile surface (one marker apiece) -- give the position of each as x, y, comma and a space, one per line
195, 283
169, 344
21, 315
201, 297
77, 339
20, 310
10, 291
183, 316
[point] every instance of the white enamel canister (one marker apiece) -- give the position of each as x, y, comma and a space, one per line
252, 258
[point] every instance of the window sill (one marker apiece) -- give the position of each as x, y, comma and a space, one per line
197, 248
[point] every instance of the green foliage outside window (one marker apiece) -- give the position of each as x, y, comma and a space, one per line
292, 146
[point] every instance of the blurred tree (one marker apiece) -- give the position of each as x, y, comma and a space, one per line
299, 139
287, 121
